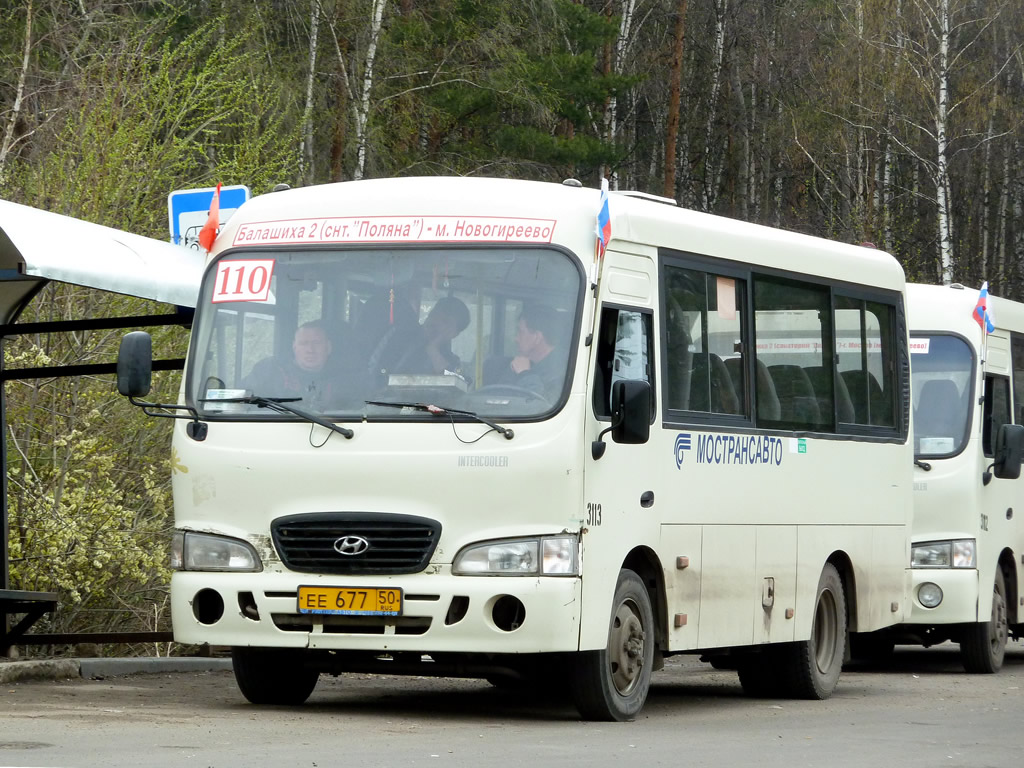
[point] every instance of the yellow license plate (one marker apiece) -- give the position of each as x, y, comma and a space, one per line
351, 601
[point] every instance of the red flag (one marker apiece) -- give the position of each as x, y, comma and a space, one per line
209, 231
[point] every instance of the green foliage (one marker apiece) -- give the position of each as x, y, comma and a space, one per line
148, 117
512, 89
89, 480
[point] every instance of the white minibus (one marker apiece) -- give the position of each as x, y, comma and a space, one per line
968, 395
434, 426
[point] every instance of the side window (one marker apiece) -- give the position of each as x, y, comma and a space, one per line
706, 367
997, 410
1017, 352
865, 362
793, 339
624, 351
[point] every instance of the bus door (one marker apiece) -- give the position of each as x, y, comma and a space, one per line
620, 491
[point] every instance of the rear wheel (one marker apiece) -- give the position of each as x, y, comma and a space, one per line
612, 683
872, 647
810, 669
272, 675
983, 646
760, 675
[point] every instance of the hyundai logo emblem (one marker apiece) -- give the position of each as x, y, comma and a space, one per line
351, 545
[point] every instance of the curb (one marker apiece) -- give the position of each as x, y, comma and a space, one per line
98, 669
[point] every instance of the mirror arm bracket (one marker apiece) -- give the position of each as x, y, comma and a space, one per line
598, 447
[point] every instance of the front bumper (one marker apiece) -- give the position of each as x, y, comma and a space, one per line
959, 596
442, 613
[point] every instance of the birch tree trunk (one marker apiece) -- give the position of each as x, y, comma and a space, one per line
12, 119
862, 149
363, 109
306, 170
944, 219
1003, 225
708, 193
611, 107
986, 204
674, 98
1018, 215
743, 181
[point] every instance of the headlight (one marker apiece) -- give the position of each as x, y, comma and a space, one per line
192, 551
943, 554
543, 556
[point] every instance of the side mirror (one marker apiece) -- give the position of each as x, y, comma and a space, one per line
631, 411
135, 364
631, 415
1009, 451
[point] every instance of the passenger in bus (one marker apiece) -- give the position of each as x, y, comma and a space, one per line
305, 375
430, 348
536, 366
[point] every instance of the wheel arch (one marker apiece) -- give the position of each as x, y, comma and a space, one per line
645, 563
1008, 565
842, 563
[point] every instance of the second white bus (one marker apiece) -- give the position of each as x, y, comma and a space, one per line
968, 531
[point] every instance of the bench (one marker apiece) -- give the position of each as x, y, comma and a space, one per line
17, 601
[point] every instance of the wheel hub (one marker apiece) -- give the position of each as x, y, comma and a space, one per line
626, 649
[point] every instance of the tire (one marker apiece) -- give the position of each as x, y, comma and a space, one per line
612, 684
872, 647
810, 669
760, 676
983, 645
272, 675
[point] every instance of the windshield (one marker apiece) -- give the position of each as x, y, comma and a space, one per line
484, 330
941, 372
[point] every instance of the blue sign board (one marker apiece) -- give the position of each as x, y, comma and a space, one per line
188, 210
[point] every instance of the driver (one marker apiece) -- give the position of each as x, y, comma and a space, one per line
535, 366
305, 375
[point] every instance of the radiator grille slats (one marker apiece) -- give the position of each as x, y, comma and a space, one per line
395, 544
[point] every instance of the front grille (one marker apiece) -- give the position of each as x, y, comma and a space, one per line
396, 543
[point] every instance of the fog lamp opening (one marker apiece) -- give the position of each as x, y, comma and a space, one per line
208, 606
508, 613
929, 594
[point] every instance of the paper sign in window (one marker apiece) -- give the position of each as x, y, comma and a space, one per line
243, 280
726, 298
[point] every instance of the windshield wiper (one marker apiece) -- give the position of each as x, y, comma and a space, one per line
282, 405
923, 465
437, 410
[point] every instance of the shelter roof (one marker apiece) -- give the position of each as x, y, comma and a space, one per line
37, 246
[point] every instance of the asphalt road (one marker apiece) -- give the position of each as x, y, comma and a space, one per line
920, 709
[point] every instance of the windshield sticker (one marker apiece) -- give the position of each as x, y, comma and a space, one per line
730, 449
919, 346
243, 280
396, 229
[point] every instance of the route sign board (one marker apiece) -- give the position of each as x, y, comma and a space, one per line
188, 209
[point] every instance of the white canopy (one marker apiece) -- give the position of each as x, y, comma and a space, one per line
47, 246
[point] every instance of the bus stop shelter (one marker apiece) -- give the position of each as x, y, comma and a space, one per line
38, 247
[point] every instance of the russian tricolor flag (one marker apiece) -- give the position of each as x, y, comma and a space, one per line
209, 231
604, 220
982, 314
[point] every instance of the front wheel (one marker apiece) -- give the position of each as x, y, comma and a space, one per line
983, 646
811, 668
612, 683
272, 675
